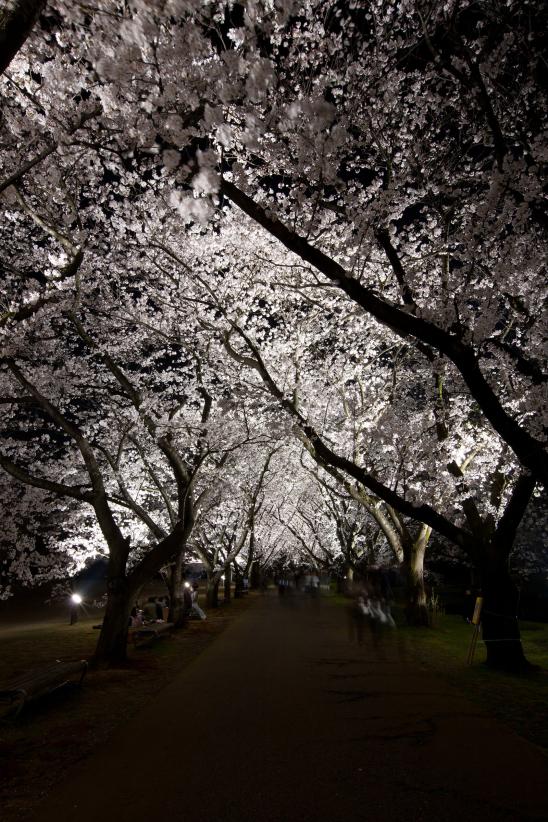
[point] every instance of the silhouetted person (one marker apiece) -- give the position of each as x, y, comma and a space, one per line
149, 610
187, 600
195, 607
135, 618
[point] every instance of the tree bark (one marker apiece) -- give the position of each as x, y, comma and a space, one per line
416, 610
344, 583
17, 20
256, 575
174, 589
212, 592
499, 617
112, 644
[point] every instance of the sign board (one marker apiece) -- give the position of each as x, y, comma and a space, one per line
476, 618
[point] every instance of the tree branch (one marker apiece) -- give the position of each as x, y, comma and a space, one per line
17, 19
529, 451
79, 492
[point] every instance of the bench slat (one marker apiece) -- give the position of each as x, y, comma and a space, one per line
42, 681
154, 630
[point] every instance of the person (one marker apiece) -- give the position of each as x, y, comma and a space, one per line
381, 618
187, 599
358, 616
149, 610
195, 607
135, 619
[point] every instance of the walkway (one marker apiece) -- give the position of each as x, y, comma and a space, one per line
281, 719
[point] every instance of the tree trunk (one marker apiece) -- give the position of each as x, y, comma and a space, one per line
174, 584
212, 592
238, 583
499, 618
17, 20
348, 580
416, 609
344, 583
227, 592
112, 644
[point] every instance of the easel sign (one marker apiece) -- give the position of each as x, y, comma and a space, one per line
476, 617
476, 622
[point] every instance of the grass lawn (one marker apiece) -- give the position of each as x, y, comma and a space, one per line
56, 731
519, 701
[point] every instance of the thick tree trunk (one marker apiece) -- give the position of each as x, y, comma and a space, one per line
212, 592
254, 575
174, 584
238, 583
499, 618
344, 583
416, 609
112, 645
17, 19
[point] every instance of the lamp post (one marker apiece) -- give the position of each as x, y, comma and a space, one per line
75, 601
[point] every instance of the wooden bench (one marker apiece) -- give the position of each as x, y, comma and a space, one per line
40, 682
149, 632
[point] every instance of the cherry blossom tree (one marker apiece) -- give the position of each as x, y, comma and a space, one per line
130, 414
373, 172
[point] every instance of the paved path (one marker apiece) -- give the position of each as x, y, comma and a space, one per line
282, 719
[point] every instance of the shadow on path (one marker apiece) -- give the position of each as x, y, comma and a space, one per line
282, 719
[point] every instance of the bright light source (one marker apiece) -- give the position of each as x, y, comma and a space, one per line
187, 584
76, 598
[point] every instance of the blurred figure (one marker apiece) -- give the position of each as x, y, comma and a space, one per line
149, 610
385, 604
359, 615
187, 600
381, 619
195, 607
159, 609
135, 618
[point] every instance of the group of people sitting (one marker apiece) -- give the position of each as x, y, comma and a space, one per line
156, 609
